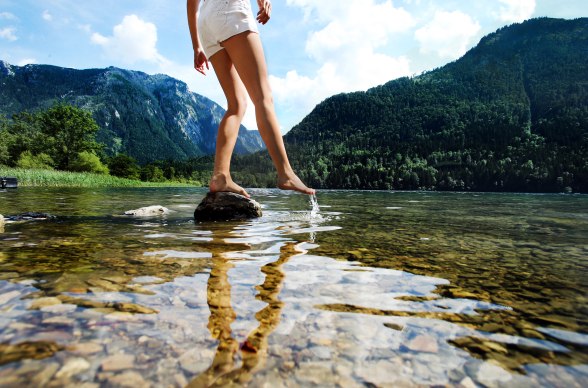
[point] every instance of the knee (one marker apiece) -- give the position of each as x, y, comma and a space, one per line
263, 102
237, 107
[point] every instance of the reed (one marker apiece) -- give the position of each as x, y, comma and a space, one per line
55, 178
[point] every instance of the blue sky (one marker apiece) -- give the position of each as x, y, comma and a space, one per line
314, 48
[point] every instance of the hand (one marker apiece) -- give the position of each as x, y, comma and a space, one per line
200, 60
265, 11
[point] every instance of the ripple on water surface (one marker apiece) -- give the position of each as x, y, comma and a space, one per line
454, 289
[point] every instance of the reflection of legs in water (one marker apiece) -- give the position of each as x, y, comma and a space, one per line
222, 316
254, 349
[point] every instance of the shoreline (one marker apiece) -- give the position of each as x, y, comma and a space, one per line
56, 178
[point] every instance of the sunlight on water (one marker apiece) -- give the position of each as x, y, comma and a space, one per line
375, 289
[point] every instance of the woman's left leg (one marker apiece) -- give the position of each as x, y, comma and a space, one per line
229, 126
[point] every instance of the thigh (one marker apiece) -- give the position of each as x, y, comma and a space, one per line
246, 53
229, 79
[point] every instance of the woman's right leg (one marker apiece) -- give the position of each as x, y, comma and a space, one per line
229, 126
246, 53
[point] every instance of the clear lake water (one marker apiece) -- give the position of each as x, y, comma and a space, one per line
363, 288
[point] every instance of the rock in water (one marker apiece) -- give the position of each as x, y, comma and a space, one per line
31, 216
148, 211
225, 206
1, 223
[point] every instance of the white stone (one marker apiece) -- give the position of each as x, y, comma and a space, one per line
196, 360
7, 297
128, 379
21, 326
424, 343
148, 211
467, 382
377, 373
72, 367
60, 308
84, 348
180, 379
118, 362
41, 378
489, 374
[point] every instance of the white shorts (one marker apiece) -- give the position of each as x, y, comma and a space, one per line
218, 20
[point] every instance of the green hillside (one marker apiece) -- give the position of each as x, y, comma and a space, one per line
510, 115
149, 117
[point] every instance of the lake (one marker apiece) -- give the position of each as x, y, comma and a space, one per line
382, 289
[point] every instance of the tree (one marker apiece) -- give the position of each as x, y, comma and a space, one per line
24, 133
152, 173
87, 161
28, 160
6, 138
124, 166
70, 131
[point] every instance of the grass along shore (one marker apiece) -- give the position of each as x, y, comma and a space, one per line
54, 178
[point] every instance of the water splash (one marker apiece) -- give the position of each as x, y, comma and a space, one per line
315, 206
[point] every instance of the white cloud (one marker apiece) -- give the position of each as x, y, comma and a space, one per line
513, 11
448, 35
7, 16
26, 61
132, 41
85, 27
348, 49
47, 16
8, 33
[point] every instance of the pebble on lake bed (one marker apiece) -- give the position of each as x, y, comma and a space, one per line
148, 211
117, 362
72, 367
225, 206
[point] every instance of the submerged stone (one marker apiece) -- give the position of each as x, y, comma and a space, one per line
128, 378
225, 206
72, 367
118, 362
31, 216
40, 303
424, 343
29, 349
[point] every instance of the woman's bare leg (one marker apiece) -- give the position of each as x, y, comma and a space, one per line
246, 53
229, 126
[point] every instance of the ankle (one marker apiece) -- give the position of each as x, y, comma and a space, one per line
220, 176
286, 174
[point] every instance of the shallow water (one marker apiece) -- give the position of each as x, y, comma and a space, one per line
373, 288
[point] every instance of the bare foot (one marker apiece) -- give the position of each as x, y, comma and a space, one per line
292, 182
222, 182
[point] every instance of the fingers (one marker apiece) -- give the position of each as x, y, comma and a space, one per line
200, 61
265, 11
204, 62
200, 67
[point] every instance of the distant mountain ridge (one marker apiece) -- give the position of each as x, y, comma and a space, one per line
149, 117
510, 115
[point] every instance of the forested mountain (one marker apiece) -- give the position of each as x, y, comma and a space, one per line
147, 117
510, 115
